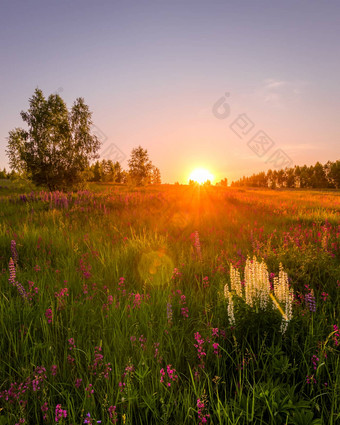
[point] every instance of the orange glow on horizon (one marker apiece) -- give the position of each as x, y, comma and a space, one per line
201, 175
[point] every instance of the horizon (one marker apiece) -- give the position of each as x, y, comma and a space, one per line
196, 84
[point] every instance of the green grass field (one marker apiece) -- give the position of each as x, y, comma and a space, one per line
113, 308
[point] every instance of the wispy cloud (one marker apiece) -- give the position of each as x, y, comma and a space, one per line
280, 93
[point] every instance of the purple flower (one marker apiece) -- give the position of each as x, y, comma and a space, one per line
310, 301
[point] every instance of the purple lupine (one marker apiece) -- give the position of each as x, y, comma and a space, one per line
14, 251
21, 290
310, 301
12, 274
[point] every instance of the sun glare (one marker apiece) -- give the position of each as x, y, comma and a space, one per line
200, 175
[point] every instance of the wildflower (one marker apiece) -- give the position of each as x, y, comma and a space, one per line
156, 346
72, 344
14, 251
99, 367
235, 281
214, 332
89, 389
12, 274
169, 313
200, 350
21, 290
315, 361
142, 341
176, 274
54, 370
44, 409
336, 335
324, 296
49, 315
33, 291
258, 290
88, 420
60, 296
185, 312
121, 286
60, 413
310, 301
202, 416
113, 414
216, 348
230, 310
197, 245
206, 282
78, 382
70, 359
310, 379
171, 375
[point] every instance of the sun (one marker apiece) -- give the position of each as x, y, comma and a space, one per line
201, 175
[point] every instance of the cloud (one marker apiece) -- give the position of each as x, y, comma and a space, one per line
280, 93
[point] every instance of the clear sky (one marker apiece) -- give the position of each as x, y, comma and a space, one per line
151, 72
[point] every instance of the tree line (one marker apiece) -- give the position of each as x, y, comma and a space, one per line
58, 148
316, 176
112, 172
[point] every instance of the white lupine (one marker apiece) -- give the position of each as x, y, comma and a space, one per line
226, 290
276, 287
249, 283
256, 283
230, 310
235, 281
257, 290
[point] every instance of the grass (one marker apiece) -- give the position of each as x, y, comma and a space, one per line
134, 294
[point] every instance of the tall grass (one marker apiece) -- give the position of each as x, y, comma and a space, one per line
125, 319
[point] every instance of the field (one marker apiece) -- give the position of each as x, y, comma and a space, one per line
117, 306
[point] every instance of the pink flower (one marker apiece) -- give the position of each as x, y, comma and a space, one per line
49, 315
60, 413
54, 369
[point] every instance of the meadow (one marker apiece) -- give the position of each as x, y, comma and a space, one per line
169, 305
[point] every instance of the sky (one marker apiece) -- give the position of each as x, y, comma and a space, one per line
235, 87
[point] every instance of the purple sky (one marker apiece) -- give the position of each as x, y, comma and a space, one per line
151, 72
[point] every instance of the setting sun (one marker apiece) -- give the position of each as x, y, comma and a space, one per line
200, 175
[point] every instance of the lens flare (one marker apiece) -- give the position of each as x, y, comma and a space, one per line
201, 175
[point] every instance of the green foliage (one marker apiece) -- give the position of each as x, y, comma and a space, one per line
140, 166
56, 148
316, 176
91, 240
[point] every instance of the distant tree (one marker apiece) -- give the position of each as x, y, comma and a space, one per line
289, 177
156, 176
140, 166
96, 169
117, 172
57, 147
314, 176
108, 170
125, 176
223, 182
333, 173
3, 174
319, 179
